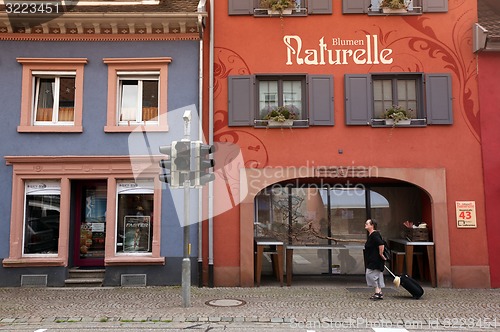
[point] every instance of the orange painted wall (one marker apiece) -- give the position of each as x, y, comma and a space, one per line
429, 43
489, 73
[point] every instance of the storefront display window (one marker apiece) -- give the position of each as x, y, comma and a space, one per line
325, 225
42, 217
134, 225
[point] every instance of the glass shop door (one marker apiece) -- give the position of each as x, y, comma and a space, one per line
90, 227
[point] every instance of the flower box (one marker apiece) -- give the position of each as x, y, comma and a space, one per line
416, 234
287, 11
280, 124
387, 10
390, 122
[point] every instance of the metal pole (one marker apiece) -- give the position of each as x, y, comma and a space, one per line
186, 262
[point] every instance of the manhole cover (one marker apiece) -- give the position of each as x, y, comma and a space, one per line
225, 303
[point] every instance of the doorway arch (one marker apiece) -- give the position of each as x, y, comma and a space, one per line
431, 181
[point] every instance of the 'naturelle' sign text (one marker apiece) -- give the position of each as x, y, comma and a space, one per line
367, 52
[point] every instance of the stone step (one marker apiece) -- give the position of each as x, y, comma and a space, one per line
77, 273
84, 282
79, 277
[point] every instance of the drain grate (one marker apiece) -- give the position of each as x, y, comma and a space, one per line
225, 303
34, 280
133, 280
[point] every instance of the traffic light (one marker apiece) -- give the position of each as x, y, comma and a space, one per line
168, 174
204, 163
182, 155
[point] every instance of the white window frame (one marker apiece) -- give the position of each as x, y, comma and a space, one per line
37, 75
140, 77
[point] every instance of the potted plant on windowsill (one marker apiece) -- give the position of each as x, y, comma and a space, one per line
278, 7
281, 116
397, 116
394, 6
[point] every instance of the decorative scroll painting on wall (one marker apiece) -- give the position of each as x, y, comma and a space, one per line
447, 49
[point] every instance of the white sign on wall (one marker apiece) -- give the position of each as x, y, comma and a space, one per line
466, 214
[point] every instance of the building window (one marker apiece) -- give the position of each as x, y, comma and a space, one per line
138, 99
299, 7
252, 97
414, 7
41, 218
401, 91
52, 95
137, 94
134, 224
287, 92
54, 99
428, 96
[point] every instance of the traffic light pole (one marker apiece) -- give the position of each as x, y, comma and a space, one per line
178, 171
186, 261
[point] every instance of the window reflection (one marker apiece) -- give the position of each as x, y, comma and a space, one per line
134, 219
313, 216
41, 224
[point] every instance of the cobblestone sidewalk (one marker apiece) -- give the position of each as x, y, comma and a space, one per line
456, 309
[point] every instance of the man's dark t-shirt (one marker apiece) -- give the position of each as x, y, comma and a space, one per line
372, 255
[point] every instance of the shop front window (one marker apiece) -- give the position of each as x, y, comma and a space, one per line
135, 217
325, 225
41, 219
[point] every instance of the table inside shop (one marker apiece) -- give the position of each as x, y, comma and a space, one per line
290, 248
409, 247
273, 246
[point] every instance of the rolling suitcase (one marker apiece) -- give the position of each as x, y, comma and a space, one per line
408, 283
411, 286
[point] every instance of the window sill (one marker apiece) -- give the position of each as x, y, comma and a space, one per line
263, 12
262, 124
49, 129
128, 129
414, 12
33, 261
415, 123
134, 260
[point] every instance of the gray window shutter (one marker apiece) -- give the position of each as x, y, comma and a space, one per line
438, 99
321, 100
319, 7
355, 6
241, 100
358, 99
241, 7
435, 6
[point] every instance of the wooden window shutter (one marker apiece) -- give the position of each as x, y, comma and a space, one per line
438, 99
320, 97
240, 7
319, 7
355, 6
358, 99
241, 100
435, 6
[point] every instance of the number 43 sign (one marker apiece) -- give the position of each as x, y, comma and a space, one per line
466, 214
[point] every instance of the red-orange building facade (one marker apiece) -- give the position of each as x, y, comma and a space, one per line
338, 65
